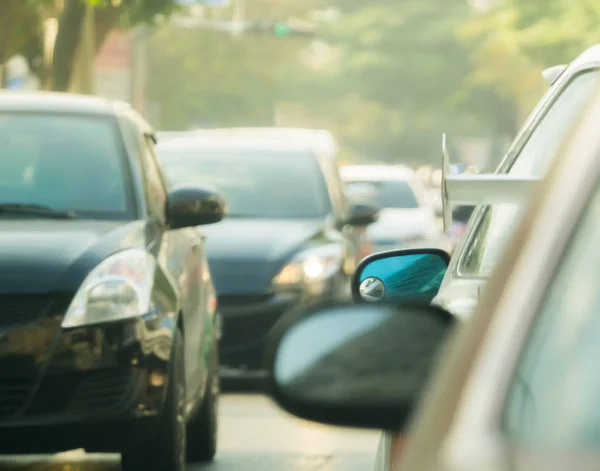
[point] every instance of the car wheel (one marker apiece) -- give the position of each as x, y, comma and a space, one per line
166, 451
203, 428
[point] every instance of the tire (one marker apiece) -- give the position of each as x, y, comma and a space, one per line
202, 432
166, 451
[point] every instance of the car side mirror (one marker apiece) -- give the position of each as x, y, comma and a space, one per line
356, 365
396, 275
362, 214
192, 205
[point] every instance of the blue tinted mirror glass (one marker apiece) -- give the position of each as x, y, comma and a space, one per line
416, 277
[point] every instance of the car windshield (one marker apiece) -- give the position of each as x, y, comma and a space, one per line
64, 163
257, 184
387, 194
497, 225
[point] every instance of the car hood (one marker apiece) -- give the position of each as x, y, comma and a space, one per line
45, 256
400, 223
245, 254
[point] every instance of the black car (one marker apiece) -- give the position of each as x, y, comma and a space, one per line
288, 238
108, 322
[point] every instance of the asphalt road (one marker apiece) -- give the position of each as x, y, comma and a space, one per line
254, 436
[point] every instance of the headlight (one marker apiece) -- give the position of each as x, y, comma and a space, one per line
314, 264
118, 288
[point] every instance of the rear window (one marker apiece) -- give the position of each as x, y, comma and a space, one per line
388, 194
255, 184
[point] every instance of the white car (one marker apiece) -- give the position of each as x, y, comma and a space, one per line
407, 218
490, 227
517, 386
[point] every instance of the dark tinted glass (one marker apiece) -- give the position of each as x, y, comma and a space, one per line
388, 194
255, 184
65, 162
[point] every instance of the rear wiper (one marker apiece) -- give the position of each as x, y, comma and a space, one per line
36, 210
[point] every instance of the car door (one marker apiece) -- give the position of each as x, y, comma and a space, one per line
173, 249
186, 247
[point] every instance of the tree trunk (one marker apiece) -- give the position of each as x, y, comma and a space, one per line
67, 42
105, 20
5, 34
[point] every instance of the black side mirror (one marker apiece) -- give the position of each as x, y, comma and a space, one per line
362, 214
404, 274
356, 365
192, 205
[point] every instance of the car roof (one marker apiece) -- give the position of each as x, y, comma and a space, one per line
591, 54
377, 172
239, 143
317, 140
57, 102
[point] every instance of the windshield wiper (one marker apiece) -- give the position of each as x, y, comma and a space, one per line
36, 210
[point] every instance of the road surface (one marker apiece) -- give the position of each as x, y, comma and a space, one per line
254, 436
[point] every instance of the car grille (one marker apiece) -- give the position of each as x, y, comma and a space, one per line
103, 390
22, 309
14, 393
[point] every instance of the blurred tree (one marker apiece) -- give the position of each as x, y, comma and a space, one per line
547, 32
499, 61
405, 75
21, 30
551, 32
109, 14
388, 78
209, 78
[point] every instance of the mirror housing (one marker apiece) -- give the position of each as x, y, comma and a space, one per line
400, 275
191, 205
356, 365
362, 214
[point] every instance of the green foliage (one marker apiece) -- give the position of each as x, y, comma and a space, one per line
399, 73
403, 79
548, 32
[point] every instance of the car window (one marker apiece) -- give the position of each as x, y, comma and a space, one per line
65, 162
498, 222
387, 194
555, 397
258, 184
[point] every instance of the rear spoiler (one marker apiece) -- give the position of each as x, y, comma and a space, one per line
484, 189
552, 73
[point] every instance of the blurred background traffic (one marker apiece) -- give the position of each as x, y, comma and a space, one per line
316, 129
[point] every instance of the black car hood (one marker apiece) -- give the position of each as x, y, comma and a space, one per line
45, 256
245, 254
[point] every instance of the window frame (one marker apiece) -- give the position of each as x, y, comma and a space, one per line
524, 135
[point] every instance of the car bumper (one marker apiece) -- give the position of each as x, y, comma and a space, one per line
100, 388
248, 320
